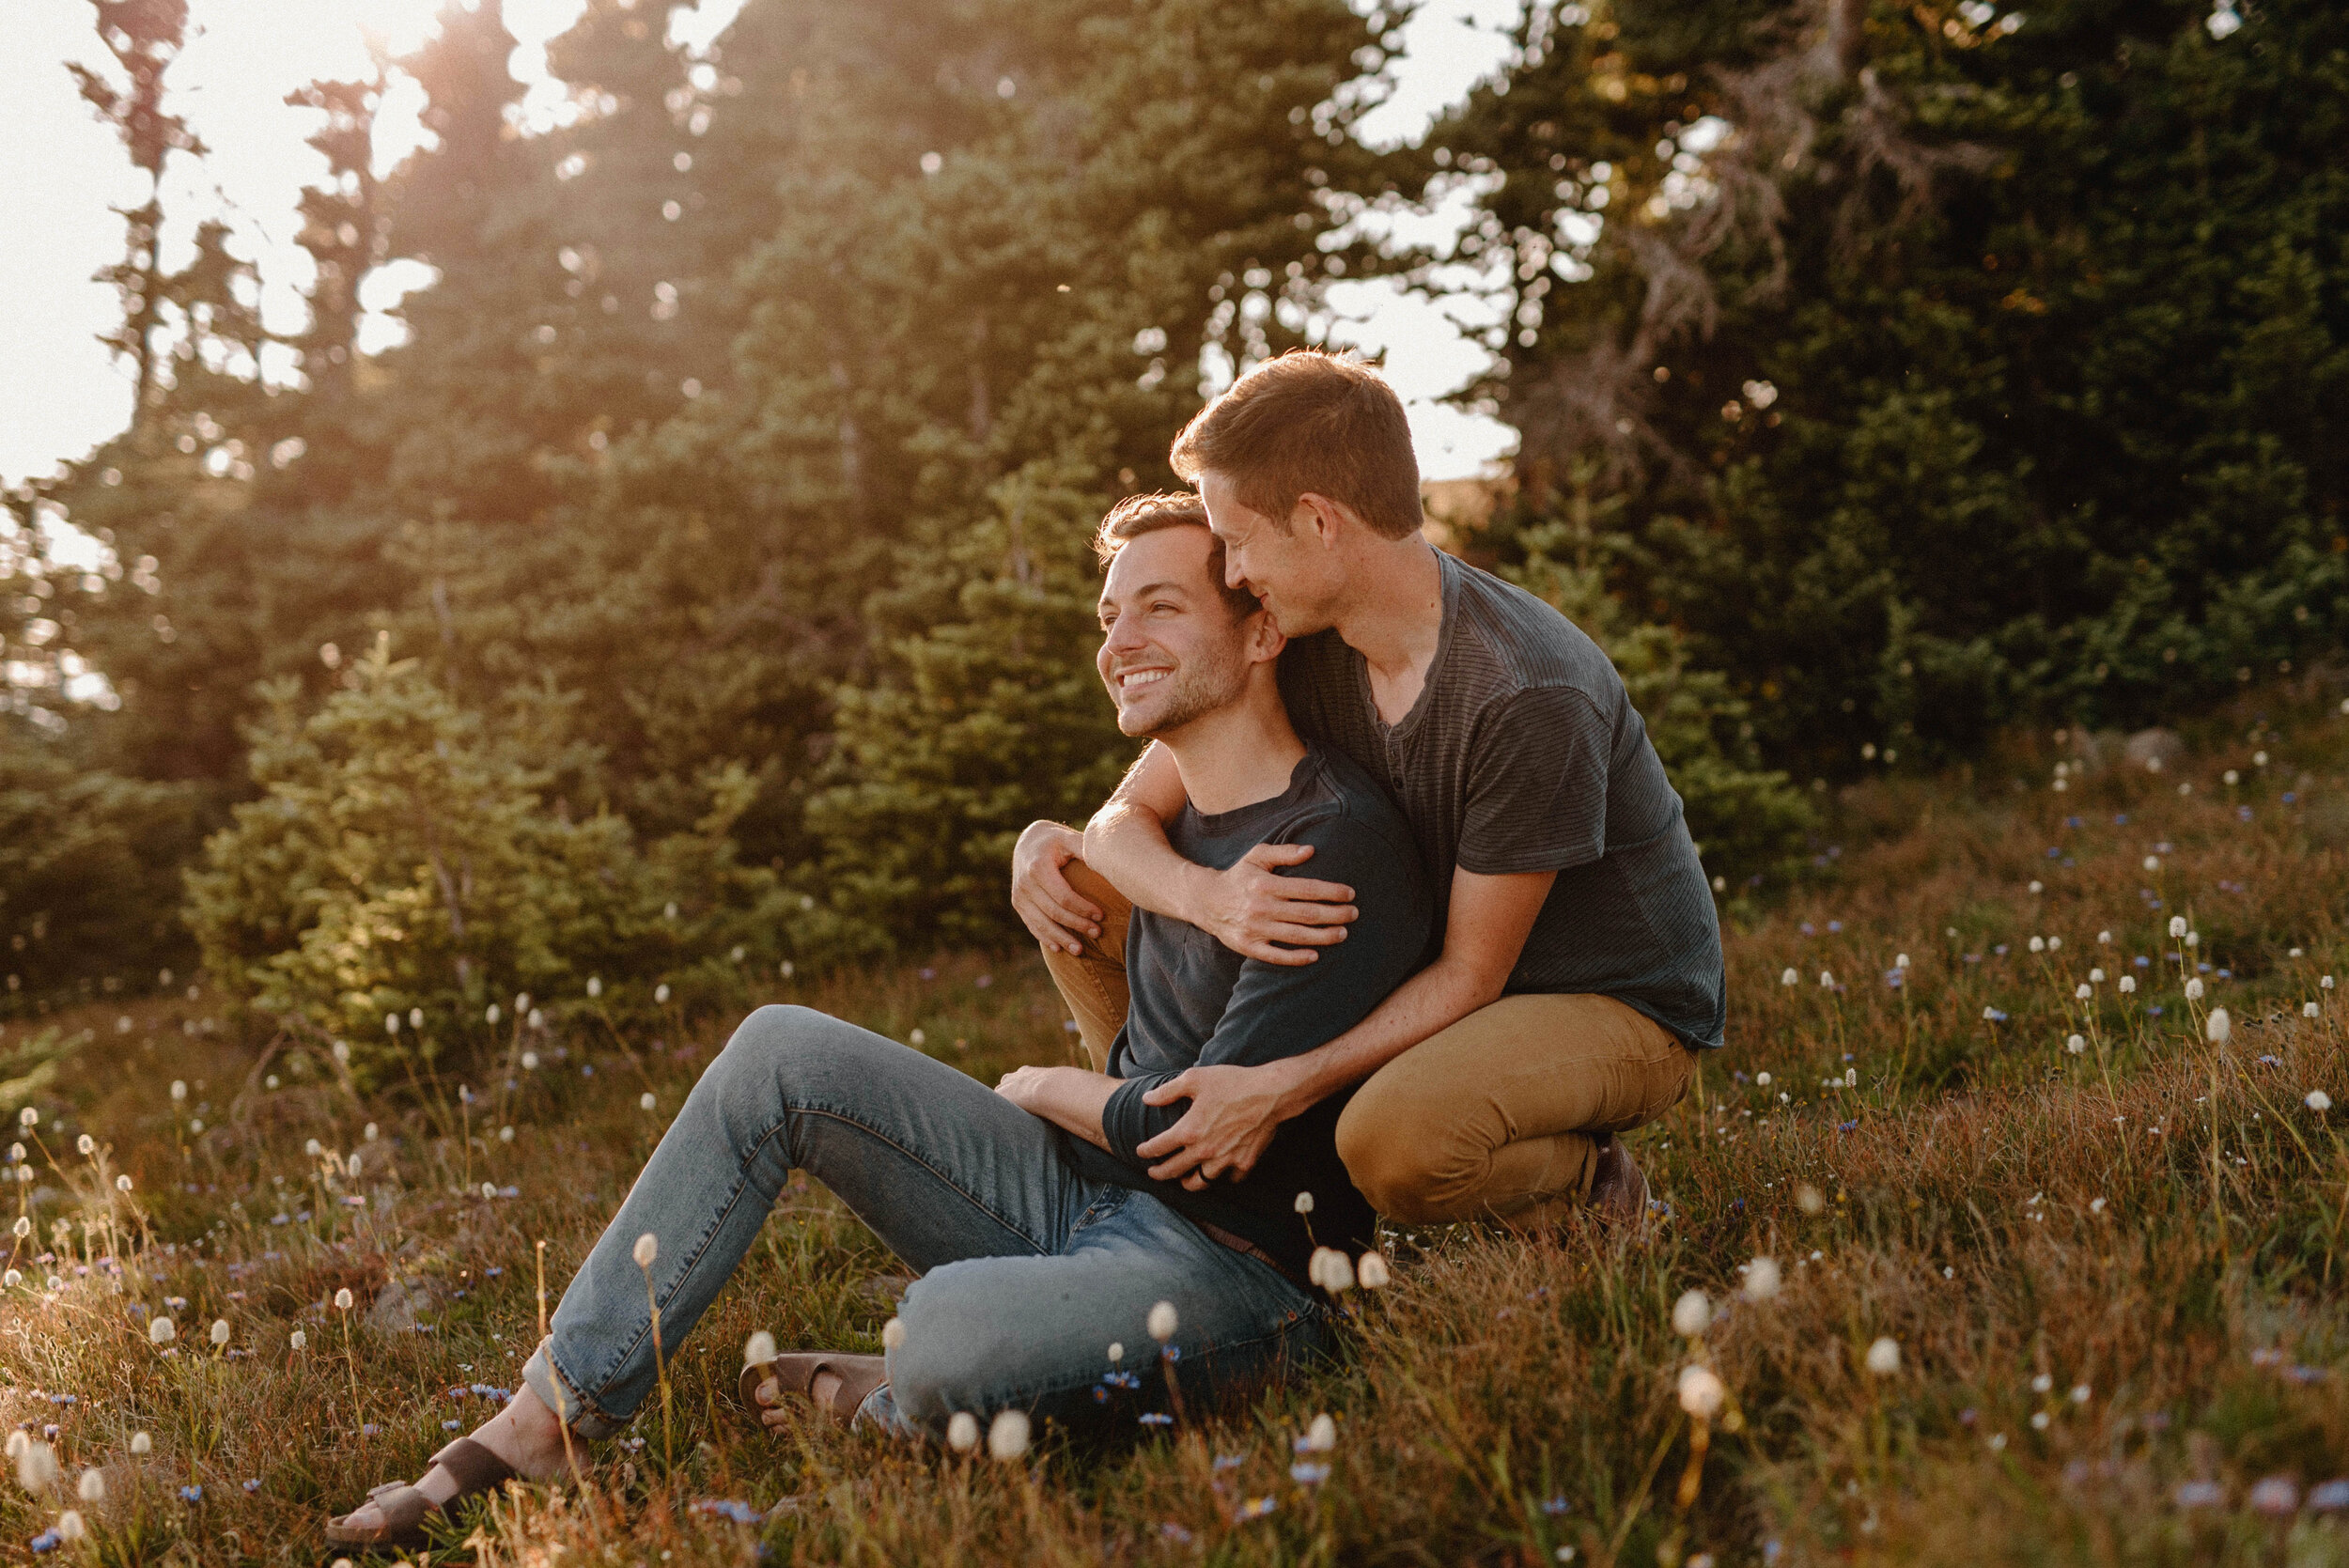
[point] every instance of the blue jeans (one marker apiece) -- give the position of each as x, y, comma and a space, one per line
1029, 1271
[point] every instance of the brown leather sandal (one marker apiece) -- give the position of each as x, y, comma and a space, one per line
795, 1372
405, 1510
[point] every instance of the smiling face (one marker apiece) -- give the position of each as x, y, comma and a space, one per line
1172, 649
1293, 571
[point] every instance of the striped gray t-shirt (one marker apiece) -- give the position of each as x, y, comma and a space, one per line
1523, 753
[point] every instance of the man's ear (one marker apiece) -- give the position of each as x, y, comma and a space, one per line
1323, 518
1263, 638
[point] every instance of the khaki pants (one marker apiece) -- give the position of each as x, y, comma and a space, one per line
1500, 1116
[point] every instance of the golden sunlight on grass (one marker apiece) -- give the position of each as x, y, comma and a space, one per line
1969, 1292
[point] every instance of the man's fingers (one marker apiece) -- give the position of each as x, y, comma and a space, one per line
1279, 854
1176, 1088
1180, 1165
1334, 896
1046, 930
1308, 936
1270, 952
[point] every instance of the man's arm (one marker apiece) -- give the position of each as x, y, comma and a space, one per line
1250, 909
1234, 1110
1069, 1097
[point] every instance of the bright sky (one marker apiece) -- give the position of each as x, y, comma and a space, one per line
61, 171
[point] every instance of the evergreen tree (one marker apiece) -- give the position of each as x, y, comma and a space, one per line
999, 296
1940, 354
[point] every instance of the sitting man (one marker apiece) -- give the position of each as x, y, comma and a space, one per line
1039, 1237
1581, 961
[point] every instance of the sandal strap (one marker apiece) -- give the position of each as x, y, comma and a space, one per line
402, 1510
473, 1466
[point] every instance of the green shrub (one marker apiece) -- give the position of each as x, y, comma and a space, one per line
404, 870
89, 867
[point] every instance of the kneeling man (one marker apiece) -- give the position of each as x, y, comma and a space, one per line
1040, 1237
1579, 963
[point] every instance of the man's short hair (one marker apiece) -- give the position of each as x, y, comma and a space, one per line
1309, 422
1137, 515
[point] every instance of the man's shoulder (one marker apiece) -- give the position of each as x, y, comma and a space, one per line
1507, 641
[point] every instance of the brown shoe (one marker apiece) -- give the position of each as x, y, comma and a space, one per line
765, 1383
1618, 1191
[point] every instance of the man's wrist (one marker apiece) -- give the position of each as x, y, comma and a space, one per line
1298, 1083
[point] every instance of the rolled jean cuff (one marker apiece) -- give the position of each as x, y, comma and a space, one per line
560, 1394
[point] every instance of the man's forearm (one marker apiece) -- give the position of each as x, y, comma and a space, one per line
1431, 1000
1125, 842
1074, 1098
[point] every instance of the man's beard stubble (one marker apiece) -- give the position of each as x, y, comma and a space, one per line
1198, 692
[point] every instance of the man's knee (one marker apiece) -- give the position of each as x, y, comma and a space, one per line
1412, 1170
1089, 883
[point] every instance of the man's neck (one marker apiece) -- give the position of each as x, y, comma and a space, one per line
1237, 756
1392, 616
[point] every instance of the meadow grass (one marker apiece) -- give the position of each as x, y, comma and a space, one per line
2111, 1279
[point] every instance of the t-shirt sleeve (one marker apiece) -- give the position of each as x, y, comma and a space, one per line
1283, 1010
1536, 785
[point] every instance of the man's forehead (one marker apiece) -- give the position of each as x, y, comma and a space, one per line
1165, 557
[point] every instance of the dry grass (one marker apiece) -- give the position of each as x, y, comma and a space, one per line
2115, 1278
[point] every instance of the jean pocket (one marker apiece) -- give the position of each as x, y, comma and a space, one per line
1106, 1204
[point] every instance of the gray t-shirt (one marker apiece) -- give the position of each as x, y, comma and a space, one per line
1523, 753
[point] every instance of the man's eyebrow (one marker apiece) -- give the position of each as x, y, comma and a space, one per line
1144, 591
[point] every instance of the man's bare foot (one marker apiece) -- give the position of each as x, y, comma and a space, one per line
774, 1411
524, 1433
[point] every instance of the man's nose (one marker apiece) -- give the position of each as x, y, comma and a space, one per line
1123, 636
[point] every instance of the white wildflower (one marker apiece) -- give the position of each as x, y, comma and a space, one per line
1700, 1392
648, 1248
1789, 978
963, 1432
162, 1330
2128, 985
1304, 1204
2193, 988
1763, 1279
2074, 1044
1162, 1322
220, 1330
1692, 1314
1008, 1434
759, 1348
92, 1487
2177, 925
141, 1442
2318, 1100
1371, 1273
343, 1300
893, 1334
2219, 1026
298, 1339
1321, 1434
1884, 1357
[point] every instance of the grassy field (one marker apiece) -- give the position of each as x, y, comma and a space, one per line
2034, 1303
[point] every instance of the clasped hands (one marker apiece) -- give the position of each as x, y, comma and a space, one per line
1232, 1115
1248, 907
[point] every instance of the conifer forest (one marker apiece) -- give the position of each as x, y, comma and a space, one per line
415, 763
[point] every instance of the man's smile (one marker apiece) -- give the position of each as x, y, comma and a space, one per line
1128, 680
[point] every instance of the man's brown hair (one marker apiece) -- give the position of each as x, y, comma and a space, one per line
1309, 422
1137, 515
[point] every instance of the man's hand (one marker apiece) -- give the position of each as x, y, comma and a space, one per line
1026, 1087
1250, 909
1055, 913
1234, 1113
1069, 1097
